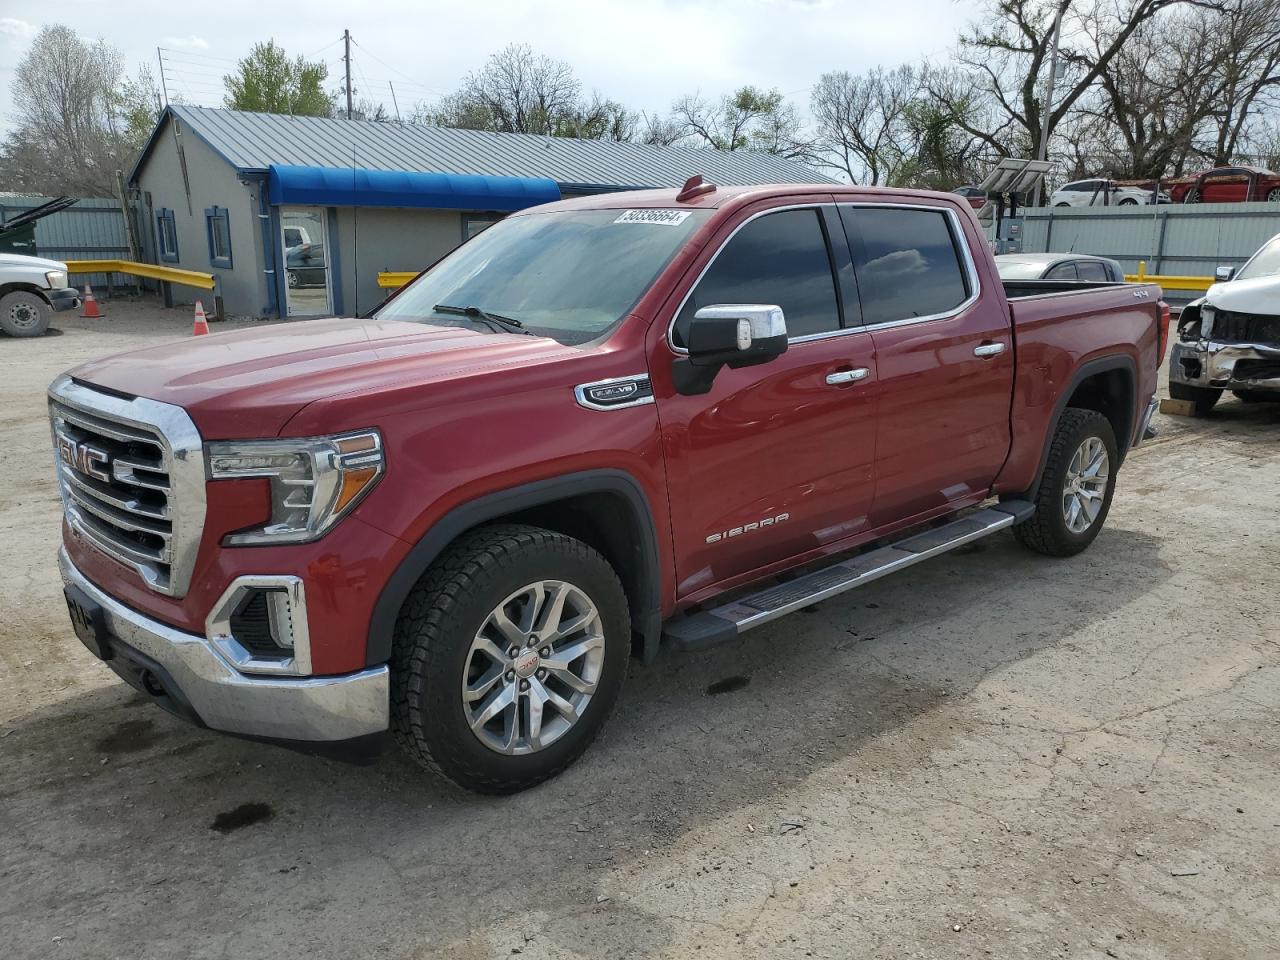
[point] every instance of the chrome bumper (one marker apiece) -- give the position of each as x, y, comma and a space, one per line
309, 709
1208, 363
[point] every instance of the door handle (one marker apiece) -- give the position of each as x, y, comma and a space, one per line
846, 376
985, 350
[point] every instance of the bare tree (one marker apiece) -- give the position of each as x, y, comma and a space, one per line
78, 119
862, 127
747, 119
516, 91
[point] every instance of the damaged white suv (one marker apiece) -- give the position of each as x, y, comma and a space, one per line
1230, 338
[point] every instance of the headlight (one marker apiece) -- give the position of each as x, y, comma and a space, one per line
314, 482
1206, 320
57, 279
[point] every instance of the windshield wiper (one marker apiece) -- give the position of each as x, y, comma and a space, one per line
496, 321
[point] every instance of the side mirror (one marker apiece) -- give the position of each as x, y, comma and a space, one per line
729, 335
1223, 274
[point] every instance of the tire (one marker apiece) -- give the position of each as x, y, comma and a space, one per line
441, 644
292, 279
1193, 196
1062, 204
1273, 195
1204, 398
1049, 530
1256, 396
1127, 202
24, 314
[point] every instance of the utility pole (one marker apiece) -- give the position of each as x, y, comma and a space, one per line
1047, 109
346, 39
393, 100
163, 85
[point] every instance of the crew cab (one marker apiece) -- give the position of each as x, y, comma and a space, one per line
600, 425
1229, 339
31, 288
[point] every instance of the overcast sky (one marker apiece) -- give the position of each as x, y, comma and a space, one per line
641, 52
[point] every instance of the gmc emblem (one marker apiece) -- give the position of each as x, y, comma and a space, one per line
84, 458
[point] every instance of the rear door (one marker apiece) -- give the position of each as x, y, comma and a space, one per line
944, 359
776, 460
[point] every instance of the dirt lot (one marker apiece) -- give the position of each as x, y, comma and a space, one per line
997, 755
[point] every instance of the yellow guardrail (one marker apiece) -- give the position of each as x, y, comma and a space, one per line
152, 271
1197, 284
393, 280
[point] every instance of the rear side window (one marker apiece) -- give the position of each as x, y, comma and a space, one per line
1063, 271
779, 258
1092, 270
907, 263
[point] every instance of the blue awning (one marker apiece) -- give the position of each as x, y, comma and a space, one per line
355, 187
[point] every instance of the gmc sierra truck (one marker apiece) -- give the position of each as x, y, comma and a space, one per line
599, 425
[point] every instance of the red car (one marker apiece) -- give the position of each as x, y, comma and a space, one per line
600, 424
975, 197
1226, 185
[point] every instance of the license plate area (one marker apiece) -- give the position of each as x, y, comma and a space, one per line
88, 622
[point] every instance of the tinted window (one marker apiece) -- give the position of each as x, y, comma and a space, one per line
1074, 187
907, 263
1092, 270
1063, 271
780, 258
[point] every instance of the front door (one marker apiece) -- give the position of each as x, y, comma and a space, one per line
944, 355
776, 460
304, 254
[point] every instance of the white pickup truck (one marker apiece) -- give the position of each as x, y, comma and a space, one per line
31, 288
1230, 338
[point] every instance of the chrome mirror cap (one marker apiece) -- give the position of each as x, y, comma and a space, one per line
1223, 274
756, 321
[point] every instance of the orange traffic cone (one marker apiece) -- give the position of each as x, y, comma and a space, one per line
89, 307
201, 326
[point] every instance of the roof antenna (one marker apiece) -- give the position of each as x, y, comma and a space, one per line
696, 186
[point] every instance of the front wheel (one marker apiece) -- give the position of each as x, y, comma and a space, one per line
509, 655
1075, 490
1203, 398
1273, 195
1128, 202
24, 314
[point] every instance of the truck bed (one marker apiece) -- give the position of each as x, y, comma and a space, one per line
1024, 289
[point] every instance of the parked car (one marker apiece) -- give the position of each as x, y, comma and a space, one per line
1230, 338
1099, 193
598, 424
1058, 266
975, 197
1236, 184
305, 265
31, 289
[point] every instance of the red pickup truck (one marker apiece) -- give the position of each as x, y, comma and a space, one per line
600, 424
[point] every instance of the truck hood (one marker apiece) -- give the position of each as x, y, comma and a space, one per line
1258, 295
12, 260
249, 383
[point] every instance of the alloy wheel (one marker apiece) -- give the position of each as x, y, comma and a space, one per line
1085, 485
533, 667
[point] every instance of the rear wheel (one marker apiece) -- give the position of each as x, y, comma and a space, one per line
24, 314
1204, 398
1273, 195
1193, 196
1075, 490
509, 655
1128, 202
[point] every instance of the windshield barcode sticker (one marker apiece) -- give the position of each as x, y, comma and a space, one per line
668, 218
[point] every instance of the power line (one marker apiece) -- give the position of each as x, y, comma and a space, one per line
395, 70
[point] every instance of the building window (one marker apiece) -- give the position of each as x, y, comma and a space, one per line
167, 233
219, 229
473, 223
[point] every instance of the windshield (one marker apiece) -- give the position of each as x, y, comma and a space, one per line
1019, 269
1265, 263
569, 275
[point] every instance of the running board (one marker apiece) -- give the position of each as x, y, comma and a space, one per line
709, 628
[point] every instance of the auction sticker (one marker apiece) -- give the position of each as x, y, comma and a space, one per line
668, 218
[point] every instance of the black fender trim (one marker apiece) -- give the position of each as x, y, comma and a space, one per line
647, 620
1086, 370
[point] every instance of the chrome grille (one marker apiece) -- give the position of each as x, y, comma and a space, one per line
131, 474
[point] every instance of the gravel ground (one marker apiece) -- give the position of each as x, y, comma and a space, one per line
996, 755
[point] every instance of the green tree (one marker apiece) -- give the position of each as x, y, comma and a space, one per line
267, 81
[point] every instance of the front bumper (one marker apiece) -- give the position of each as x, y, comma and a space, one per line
192, 678
67, 298
1208, 363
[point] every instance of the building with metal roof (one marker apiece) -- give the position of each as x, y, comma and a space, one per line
297, 215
